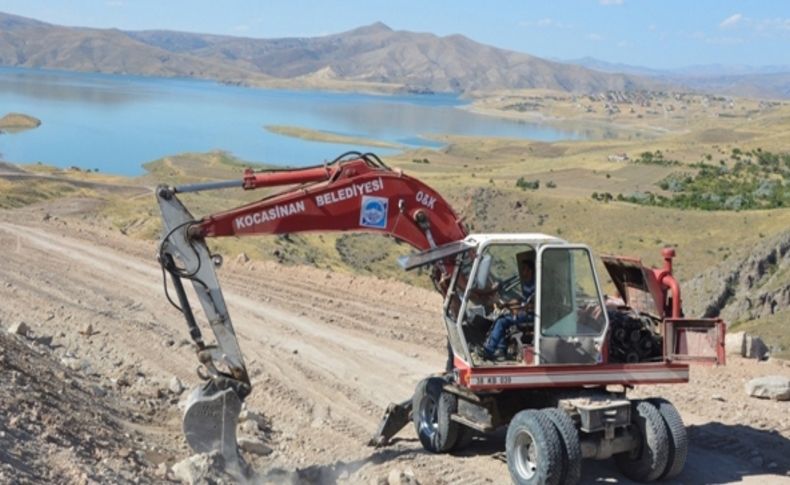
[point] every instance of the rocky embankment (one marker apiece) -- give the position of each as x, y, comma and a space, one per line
752, 286
64, 422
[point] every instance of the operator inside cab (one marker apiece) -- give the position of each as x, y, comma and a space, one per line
518, 311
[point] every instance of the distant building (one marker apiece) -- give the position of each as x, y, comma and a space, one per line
618, 157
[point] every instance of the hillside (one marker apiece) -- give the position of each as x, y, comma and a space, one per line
749, 81
30, 43
373, 54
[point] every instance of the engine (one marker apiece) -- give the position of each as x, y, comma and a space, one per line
634, 337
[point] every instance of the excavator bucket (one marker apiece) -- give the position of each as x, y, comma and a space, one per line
397, 416
210, 421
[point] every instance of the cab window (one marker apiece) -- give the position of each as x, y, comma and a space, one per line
506, 268
570, 303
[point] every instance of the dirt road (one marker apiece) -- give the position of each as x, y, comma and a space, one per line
327, 352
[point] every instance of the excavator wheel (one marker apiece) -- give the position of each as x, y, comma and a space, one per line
534, 449
210, 421
648, 461
431, 411
678, 439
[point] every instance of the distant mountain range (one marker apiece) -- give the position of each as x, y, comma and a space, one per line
371, 57
373, 54
754, 81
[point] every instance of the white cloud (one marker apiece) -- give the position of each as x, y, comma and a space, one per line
595, 37
772, 27
731, 21
610, 2
773, 24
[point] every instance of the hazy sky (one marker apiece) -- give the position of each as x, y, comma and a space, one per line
641, 32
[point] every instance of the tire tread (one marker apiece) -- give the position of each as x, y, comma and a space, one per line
572, 448
447, 435
653, 453
678, 438
542, 429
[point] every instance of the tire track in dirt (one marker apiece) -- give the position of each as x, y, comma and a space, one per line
343, 353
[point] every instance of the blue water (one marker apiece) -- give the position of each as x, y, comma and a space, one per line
117, 123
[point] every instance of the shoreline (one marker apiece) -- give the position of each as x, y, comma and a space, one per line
328, 137
566, 124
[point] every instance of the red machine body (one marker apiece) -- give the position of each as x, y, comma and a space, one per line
360, 193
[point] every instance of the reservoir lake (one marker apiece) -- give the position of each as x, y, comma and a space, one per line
116, 123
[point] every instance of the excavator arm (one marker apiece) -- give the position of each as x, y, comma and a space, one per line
355, 192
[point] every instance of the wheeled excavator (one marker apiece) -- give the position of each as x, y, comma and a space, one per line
561, 384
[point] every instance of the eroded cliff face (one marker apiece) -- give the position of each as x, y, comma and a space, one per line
746, 287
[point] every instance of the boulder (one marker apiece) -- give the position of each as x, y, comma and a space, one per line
735, 343
203, 468
19, 328
254, 445
402, 477
745, 345
755, 348
251, 416
176, 386
769, 387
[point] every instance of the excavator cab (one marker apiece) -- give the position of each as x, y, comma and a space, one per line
561, 321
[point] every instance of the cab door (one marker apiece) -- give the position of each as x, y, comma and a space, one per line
694, 341
571, 317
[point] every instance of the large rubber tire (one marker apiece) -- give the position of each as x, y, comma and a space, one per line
649, 459
534, 449
571, 446
678, 439
431, 411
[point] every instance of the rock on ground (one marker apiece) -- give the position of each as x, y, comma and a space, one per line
204, 469
769, 387
176, 386
254, 445
19, 328
745, 345
402, 477
251, 416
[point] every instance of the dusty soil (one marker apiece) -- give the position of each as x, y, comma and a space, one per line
327, 352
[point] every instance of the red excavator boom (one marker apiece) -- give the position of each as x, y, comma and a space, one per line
355, 192
353, 195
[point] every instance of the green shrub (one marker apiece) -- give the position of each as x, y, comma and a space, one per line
524, 184
757, 180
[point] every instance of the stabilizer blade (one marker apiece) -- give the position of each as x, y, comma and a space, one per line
395, 419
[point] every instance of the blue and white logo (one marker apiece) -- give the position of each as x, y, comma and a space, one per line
373, 212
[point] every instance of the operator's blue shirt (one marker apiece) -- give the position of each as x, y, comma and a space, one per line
527, 289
